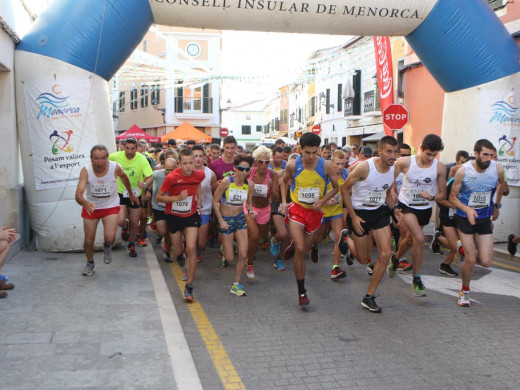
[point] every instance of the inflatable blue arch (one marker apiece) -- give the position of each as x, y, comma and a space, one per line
462, 43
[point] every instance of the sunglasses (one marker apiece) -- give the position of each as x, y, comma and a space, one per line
404, 155
263, 162
243, 169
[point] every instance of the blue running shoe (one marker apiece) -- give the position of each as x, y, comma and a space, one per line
279, 265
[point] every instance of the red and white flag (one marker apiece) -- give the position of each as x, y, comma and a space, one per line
385, 74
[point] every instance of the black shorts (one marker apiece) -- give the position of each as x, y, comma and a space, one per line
423, 215
274, 209
374, 219
482, 225
176, 223
447, 221
126, 202
159, 215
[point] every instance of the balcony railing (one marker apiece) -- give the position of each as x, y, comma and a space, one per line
495, 4
194, 105
371, 102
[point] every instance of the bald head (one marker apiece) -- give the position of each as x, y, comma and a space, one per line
170, 163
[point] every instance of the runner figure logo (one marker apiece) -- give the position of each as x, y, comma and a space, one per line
60, 143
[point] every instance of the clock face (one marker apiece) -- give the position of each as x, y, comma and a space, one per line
193, 49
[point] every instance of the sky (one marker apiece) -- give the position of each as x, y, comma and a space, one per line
274, 59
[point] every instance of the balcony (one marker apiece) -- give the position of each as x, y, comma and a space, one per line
371, 105
349, 110
496, 4
194, 108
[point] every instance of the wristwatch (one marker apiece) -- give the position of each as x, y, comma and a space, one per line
498, 206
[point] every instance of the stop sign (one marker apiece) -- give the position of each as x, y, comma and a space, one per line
395, 116
224, 132
316, 129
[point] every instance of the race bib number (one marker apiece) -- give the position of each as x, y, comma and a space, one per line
416, 199
135, 191
182, 206
308, 195
100, 191
479, 200
236, 197
374, 198
260, 190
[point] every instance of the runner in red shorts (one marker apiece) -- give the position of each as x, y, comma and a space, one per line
101, 201
307, 176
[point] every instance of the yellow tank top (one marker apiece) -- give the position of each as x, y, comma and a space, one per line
337, 208
308, 186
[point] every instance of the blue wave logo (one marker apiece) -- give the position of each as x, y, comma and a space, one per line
52, 104
505, 111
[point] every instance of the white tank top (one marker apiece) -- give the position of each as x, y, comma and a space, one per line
102, 191
370, 194
207, 195
417, 180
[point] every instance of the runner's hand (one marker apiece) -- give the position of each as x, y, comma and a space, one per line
223, 226
90, 207
496, 213
134, 199
425, 195
283, 208
472, 215
183, 194
356, 223
141, 185
317, 205
146, 196
398, 213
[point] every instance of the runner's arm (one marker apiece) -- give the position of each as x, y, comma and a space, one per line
199, 199
441, 182
454, 196
286, 179
330, 171
499, 191
275, 190
359, 173
224, 184
126, 182
214, 182
80, 189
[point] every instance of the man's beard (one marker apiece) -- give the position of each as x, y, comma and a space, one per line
483, 165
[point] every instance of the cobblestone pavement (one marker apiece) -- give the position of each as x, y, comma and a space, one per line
428, 342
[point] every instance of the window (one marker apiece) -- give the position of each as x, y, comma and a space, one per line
340, 97
495, 4
122, 101
356, 85
194, 100
258, 128
327, 101
246, 129
144, 96
155, 95
312, 105
133, 99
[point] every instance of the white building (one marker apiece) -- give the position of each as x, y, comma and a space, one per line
246, 123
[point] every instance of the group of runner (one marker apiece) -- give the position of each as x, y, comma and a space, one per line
298, 201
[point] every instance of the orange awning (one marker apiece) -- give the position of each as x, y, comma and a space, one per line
187, 132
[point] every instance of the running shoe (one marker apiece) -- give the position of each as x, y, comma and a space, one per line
337, 273
329, 239
447, 270
435, 245
199, 259
89, 269
184, 276
124, 232
342, 244
107, 254
6, 285
418, 288
167, 257
278, 265
153, 226
303, 300
315, 254
511, 246
265, 246
370, 268
158, 240
141, 243
3, 294
131, 249
223, 262
237, 289
369, 302
464, 299
250, 273
181, 260
289, 251
392, 267
274, 247
221, 250
404, 265
188, 293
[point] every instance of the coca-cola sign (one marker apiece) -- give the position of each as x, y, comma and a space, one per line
385, 73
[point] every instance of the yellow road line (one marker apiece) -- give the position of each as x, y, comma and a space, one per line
506, 266
225, 369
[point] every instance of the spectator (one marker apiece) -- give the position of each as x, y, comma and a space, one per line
7, 237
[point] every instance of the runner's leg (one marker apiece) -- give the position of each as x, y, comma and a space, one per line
89, 227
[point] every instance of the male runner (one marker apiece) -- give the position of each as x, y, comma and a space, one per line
224, 165
472, 193
424, 183
371, 184
307, 175
277, 162
138, 170
183, 209
101, 201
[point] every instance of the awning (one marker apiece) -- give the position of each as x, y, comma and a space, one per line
377, 136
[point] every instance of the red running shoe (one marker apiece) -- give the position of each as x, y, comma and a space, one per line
303, 300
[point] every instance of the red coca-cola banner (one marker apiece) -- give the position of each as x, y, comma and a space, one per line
385, 74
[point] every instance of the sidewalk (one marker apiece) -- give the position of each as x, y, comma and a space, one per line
115, 329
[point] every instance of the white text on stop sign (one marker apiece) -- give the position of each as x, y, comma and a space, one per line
395, 117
